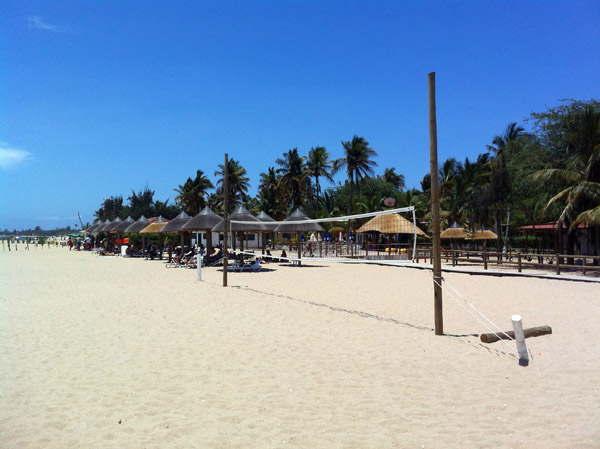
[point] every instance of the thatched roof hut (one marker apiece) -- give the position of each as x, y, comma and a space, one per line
101, 228
250, 222
454, 232
390, 224
96, 224
176, 224
137, 226
483, 234
120, 227
109, 227
204, 221
153, 228
269, 223
294, 223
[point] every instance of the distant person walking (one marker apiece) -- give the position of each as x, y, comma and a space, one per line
70, 243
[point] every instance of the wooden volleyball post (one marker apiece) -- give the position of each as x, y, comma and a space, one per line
225, 218
435, 210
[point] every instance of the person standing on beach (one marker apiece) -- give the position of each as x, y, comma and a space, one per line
70, 243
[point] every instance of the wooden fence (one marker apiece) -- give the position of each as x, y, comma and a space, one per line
518, 260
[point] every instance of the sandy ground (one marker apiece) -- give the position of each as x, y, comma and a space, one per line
107, 352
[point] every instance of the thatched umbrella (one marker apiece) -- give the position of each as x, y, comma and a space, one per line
250, 224
97, 223
390, 224
175, 226
120, 227
454, 232
294, 224
101, 227
269, 224
109, 227
137, 226
483, 234
204, 222
155, 226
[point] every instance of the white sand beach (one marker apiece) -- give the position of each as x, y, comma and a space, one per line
110, 352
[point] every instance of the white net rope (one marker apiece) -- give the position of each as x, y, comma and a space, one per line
389, 235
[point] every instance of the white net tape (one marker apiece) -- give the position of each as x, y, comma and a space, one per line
375, 236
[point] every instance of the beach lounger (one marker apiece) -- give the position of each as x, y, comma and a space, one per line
254, 266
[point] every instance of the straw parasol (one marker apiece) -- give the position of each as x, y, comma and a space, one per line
294, 224
137, 226
390, 224
298, 215
176, 224
153, 228
103, 225
269, 225
204, 222
455, 231
122, 225
97, 223
250, 223
483, 234
109, 227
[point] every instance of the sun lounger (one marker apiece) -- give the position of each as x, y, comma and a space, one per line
254, 266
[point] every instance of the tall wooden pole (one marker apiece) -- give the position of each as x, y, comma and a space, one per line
225, 218
435, 209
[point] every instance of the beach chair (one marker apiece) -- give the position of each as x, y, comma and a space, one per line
254, 266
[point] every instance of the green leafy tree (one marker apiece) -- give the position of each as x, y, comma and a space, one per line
141, 203
111, 208
579, 180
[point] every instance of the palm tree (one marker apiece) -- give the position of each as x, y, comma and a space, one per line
396, 179
500, 183
191, 196
319, 165
499, 143
269, 189
294, 177
358, 163
238, 182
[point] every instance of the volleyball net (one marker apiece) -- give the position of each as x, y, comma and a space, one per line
389, 235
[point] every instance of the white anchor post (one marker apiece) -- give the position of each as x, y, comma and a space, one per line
520, 339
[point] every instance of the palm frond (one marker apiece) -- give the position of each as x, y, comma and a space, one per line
591, 216
556, 174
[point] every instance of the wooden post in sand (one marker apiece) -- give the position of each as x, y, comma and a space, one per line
225, 218
435, 209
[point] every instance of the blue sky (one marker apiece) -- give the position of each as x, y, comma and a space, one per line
101, 97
